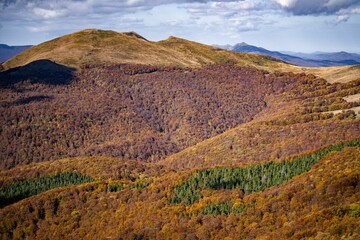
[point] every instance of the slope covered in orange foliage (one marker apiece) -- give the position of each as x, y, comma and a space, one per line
151, 152
323, 202
148, 113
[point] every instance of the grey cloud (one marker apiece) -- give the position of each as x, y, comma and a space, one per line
100, 3
316, 7
233, 8
52, 9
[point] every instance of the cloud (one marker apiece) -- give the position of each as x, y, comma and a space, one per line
344, 15
47, 14
235, 16
342, 18
53, 9
316, 7
229, 8
38, 29
199, 18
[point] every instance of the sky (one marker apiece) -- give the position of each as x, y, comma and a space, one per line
281, 25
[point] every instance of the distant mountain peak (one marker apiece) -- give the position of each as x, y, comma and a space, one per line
318, 59
242, 44
7, 52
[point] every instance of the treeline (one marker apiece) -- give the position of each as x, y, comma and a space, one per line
22, 189
250, 179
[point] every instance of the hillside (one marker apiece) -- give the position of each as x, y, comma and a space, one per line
300, 122
107, 135
323, 202
334, 74
148, 113
132, 111
109, 47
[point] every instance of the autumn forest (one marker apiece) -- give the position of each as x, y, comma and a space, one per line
138, 151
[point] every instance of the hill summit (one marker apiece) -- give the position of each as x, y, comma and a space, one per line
108, 47
93, 46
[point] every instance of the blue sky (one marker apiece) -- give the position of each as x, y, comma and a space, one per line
291, 25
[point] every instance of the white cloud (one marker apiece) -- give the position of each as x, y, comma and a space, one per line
286, 3
342, 18
38, 29
344, 15
47, 14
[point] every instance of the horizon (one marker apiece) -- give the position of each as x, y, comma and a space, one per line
276, 25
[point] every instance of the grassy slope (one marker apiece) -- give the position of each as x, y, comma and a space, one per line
336, 74
99, 46
89, 46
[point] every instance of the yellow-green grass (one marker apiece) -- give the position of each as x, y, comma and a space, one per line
106, 47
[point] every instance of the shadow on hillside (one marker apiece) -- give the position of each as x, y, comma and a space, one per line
41, 71
8, 201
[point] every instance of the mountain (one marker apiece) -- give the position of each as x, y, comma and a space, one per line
7, 52
307, 60
94, 46
202, 144
335, 56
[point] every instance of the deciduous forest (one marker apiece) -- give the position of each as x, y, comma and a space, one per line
125, 151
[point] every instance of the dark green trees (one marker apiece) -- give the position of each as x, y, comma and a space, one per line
250, 179
20, 190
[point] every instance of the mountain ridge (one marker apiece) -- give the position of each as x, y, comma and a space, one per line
93, 46
104, 46
7, 52
301, 59
335, 56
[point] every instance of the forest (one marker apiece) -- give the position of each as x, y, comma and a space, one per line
148, 113
321, 202
147, 152
20, 190
254, 178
